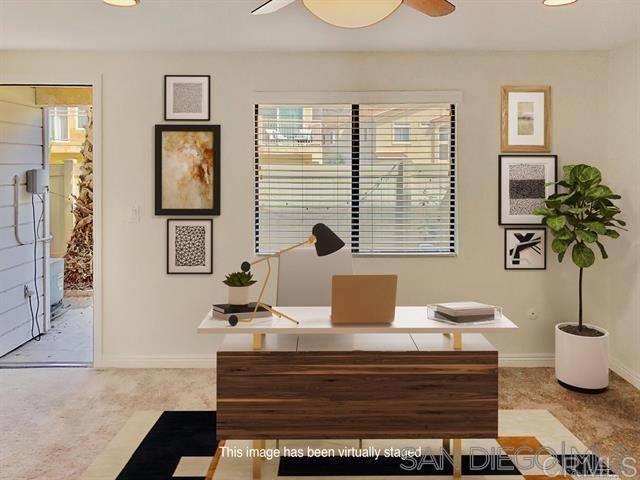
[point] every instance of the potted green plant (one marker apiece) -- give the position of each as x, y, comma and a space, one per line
239, 283
579, 218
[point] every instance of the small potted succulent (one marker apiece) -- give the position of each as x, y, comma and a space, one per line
239, 283
579, 218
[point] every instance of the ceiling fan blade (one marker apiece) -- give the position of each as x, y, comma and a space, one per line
271, 6
433, 8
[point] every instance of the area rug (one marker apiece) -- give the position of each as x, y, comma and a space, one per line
181, 445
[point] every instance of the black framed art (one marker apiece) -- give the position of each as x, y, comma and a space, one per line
187, 172
524, 182
187, 97
525, 248
189, 246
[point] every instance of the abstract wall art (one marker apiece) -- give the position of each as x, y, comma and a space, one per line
526, 119
187, 97
525, 181
187, 176
525, 249
189, 246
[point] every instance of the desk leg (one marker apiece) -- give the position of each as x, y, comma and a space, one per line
457, 458
256, 470
446, 445
457, 341
258, 341
256, 467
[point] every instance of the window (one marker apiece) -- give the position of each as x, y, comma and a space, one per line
401, 133
59, 124
381, 197
82, 120
443, 145
284, 126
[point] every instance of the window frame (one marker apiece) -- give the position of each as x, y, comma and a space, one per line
454, 98
401, 126
78, 115
55, 125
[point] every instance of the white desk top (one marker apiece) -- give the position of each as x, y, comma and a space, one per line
316, 320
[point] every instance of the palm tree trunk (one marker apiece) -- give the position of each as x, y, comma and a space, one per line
580, 301
78, 264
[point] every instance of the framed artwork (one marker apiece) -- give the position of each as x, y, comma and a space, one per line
187, 97
526, 119
525, 249
525, 181
187, 176
189, 246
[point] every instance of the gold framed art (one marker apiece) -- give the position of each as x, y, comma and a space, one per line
526, 119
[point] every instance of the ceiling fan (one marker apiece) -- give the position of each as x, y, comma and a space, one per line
358, 13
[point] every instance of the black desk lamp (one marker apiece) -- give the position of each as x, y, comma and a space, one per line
326, 243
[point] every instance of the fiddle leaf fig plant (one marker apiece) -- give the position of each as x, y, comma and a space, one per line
580, 217
239, 279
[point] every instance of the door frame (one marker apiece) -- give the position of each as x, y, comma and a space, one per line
95, 82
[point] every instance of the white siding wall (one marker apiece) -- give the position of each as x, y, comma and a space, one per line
20, 150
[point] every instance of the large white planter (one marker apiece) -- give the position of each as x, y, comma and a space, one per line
582, 363
239, 295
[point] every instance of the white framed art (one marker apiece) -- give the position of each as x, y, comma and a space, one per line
187, 97
524, 182
526, 119
189, 246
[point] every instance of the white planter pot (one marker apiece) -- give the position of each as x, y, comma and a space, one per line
582, 363
239, 295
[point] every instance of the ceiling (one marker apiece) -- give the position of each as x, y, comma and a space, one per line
226, 25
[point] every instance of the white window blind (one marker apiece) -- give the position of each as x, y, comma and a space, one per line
382, 176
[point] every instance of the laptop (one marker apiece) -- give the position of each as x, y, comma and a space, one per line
363, 299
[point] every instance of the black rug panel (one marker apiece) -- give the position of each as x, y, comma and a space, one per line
174, 435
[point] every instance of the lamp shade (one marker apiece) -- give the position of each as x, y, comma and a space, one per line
327, 242
121, 3
352, 13
558, 3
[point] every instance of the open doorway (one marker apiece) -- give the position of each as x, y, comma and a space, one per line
48, 310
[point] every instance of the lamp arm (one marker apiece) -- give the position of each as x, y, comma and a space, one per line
246, 266
264, 286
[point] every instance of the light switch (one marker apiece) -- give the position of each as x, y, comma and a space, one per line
133, 215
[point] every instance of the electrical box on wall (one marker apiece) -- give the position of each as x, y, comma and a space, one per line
37, 181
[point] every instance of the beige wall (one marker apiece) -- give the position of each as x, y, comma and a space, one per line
153, 317
64, 96
623, 174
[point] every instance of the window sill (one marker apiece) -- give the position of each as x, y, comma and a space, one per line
399, 254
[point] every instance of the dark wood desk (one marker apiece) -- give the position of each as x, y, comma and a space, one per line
357, 386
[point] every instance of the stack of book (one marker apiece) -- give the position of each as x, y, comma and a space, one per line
224, 311
464, 312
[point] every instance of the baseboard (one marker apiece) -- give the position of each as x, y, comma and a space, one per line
548, 360
625, 372
158, 361
526, 360
209, 361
